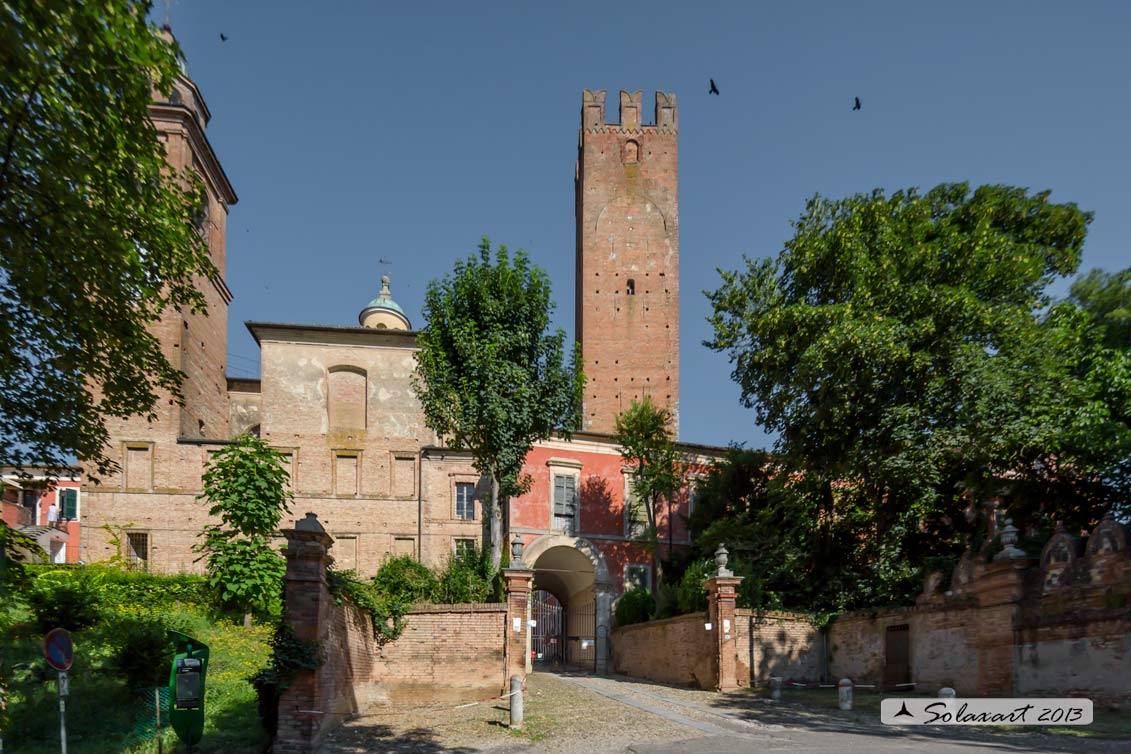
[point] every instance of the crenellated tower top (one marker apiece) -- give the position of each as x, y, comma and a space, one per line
631, 107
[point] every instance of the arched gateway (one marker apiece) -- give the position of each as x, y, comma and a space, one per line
573, 570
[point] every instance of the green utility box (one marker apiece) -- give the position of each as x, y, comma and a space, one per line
186, 682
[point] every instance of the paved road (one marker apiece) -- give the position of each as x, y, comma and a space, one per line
579, 714
742, 723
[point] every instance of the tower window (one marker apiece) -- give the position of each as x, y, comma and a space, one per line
630, 288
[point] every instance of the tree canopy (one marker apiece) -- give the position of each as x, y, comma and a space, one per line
908, 352
491, 376
246, 486
96, 232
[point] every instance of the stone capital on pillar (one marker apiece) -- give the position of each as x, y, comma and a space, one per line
722, 591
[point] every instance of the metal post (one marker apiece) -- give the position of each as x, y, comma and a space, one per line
62, 684
516, 702
844, 693
775, 689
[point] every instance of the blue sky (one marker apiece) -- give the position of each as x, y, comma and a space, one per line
358, 131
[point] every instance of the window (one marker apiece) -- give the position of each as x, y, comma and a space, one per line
637, 576
635, 514
289, 466
69, 505
137, 550
346, 398
404, 546
565, 503
630, 288
139, 466
345, 552
465, 501
464, 547
404, 475
345, 472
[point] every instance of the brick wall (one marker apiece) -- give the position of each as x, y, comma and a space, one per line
447, 653
674, 650
778, 644
1012, 626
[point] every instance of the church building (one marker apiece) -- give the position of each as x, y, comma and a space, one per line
338, 400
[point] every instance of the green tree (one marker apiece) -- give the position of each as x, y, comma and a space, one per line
643, 432
245, 484
903, 348
96, 232
490, 376
1107, 297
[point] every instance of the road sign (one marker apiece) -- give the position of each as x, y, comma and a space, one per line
58, 650
64, 684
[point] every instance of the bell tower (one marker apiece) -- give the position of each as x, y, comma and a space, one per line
627, 288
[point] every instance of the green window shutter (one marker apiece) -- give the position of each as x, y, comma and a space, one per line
70, 504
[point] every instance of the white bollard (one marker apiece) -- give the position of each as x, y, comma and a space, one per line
946, 692
775, 689
516, 702
844, 693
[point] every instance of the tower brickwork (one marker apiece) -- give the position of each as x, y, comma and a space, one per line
627, 308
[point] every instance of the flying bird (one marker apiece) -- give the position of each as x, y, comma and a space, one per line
223, 37
857, 105
714, 89
385, 261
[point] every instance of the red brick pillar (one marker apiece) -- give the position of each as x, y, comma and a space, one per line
518, 582
998, 589
307, 601
722, 591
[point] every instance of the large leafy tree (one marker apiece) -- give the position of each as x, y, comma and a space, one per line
904, 348
246, 487
491, 376
643, 432
1107, 297
96, 232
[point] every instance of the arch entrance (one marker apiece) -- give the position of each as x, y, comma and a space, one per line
570, 572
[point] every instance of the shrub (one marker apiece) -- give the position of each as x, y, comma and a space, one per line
691, 592
143, 651
634, 607
404, 579
467, 577
66, 599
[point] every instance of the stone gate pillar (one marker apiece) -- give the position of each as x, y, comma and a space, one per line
518, 581
307, 600
722, 592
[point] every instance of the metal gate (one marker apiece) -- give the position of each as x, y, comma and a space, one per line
581, 629
546, 634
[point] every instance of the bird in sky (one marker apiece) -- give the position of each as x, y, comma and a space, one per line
857, 105
223, 37
385, 261
714, 89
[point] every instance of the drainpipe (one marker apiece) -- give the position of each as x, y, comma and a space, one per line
420, 506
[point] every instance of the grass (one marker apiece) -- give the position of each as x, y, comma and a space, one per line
1106, 723
105, 715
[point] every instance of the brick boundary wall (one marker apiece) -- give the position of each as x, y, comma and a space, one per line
447, 653
675, 650
785, 645
1015, 626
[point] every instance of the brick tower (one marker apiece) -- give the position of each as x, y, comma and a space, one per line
627, 257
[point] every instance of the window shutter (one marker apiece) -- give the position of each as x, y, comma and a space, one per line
571, 495
70, 504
